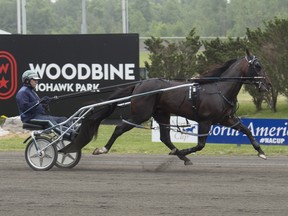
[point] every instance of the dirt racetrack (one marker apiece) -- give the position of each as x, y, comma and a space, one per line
146, 185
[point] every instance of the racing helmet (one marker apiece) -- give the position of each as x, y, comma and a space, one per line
28, 75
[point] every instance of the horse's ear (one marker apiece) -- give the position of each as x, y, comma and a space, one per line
247, 52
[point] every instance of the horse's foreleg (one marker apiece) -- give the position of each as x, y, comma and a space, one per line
119, 130
237, 125
164, 119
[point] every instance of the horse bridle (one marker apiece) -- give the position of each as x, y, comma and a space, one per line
254, 68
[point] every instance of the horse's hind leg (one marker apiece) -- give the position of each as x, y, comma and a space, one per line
203, 130
119, 130
139, 114
164, 121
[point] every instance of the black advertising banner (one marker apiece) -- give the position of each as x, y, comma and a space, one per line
67, 64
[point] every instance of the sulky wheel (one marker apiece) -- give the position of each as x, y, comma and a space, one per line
67, 160
41, 160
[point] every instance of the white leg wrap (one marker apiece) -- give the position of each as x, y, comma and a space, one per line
103, 150
99, 151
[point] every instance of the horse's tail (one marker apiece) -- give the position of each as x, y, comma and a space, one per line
122, 92
94, 120
90, 124
106, 111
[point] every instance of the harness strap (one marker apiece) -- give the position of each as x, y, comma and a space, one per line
138, 125
231, 103
168, 126
234, 124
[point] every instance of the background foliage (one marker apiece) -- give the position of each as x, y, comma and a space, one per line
148, 18
185, 59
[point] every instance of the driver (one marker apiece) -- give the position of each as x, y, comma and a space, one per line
30, 106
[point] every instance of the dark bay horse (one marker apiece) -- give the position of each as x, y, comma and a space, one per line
215, 103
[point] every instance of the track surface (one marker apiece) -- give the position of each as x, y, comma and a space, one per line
146, 185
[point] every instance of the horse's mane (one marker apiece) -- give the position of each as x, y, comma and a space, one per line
214, 71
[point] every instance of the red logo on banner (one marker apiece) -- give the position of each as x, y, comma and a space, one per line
8, 75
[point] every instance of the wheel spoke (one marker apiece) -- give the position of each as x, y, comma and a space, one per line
41, 161
71, 157
48, 156
34, 155
63, 159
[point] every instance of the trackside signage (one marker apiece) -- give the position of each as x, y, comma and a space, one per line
66, 64
186, 126
80, 72
266, 132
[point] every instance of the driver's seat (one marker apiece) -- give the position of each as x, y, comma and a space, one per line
36, 124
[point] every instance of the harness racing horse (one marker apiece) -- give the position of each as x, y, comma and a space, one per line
215, 104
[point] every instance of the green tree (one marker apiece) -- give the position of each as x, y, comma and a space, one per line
272, 46
217, 51
173, 60
210, 19
252, 14
107, 14
39, 17
148, 18
8, 16
138, 23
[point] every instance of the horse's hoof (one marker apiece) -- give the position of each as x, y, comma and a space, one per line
99, 151
188, 163
263, 156
173, 151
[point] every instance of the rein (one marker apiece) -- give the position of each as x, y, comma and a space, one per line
91, 92
227, 79
110, 88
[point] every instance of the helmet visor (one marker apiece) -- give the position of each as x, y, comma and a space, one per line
35, 78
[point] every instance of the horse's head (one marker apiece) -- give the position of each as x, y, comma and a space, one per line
257, 74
